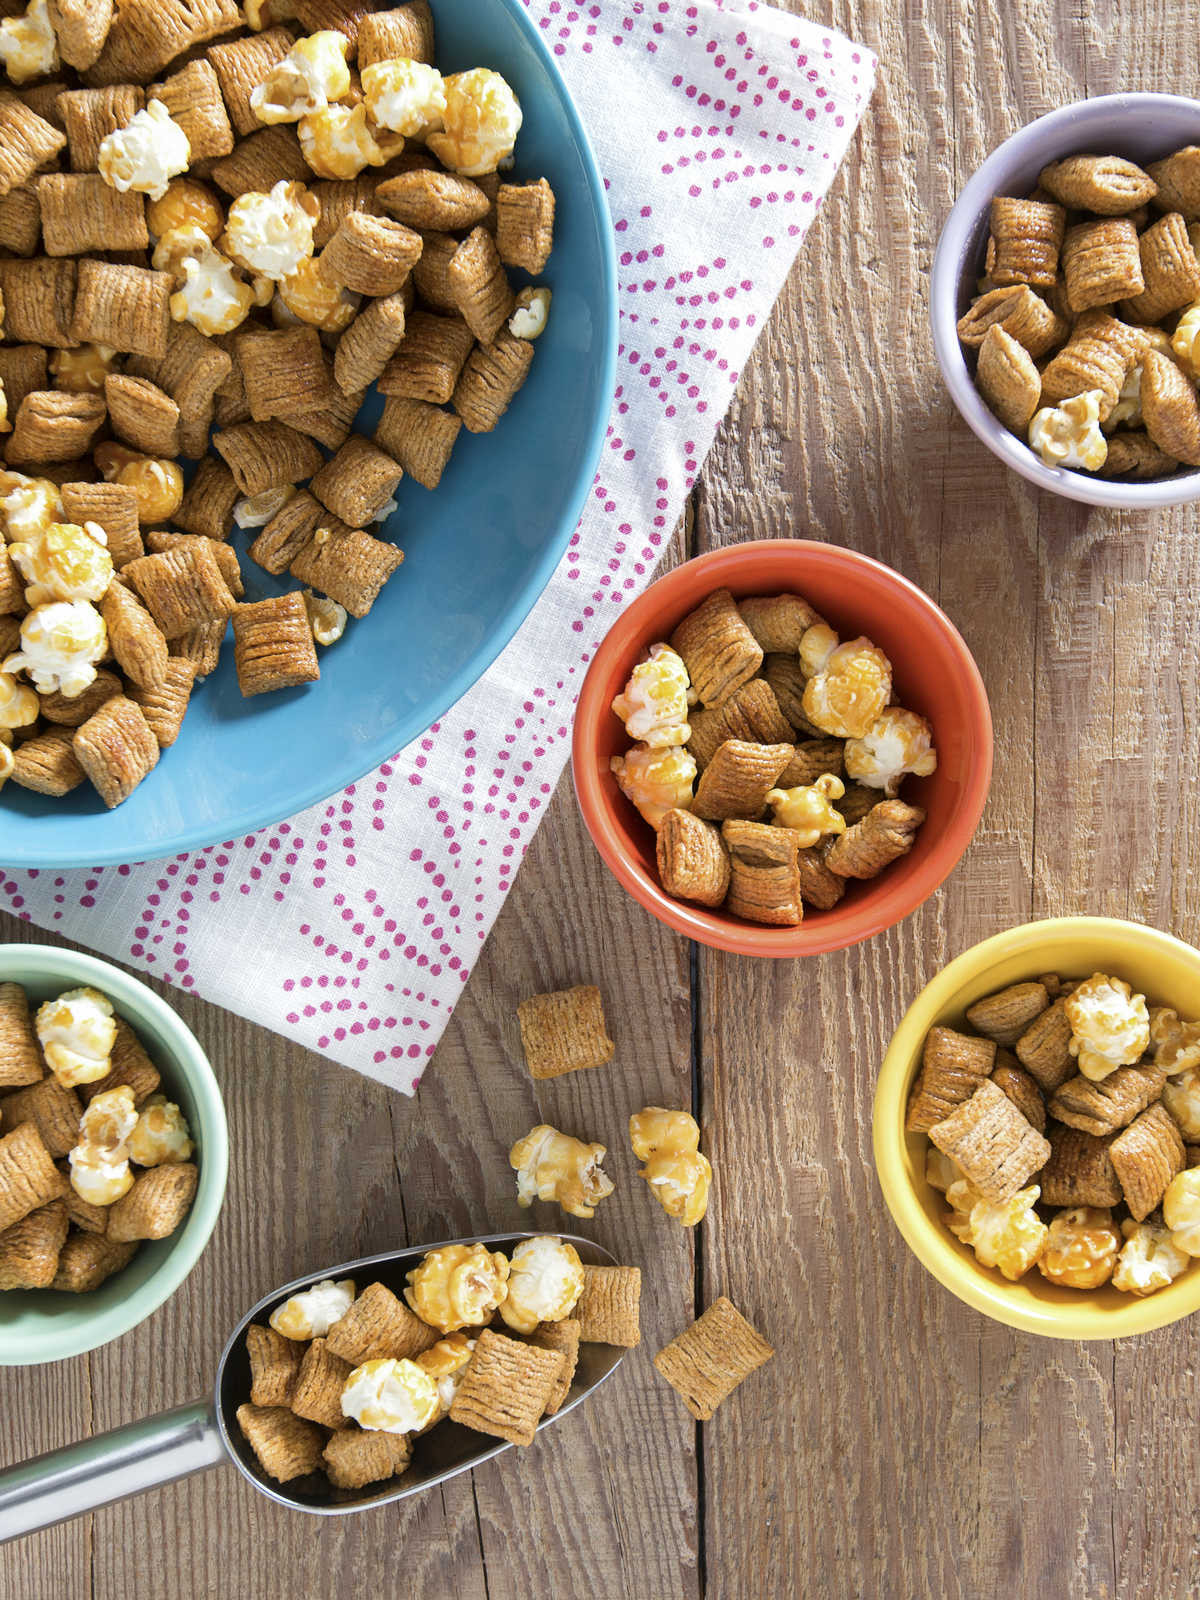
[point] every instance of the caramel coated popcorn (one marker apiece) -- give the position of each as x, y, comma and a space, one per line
554, 1166
458, 1286
668, 1143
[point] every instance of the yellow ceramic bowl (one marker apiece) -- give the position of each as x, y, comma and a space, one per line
1167, 971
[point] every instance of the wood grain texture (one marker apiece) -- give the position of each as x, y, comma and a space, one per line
899, 1445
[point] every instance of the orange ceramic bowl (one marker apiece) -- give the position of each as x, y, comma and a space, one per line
934, 674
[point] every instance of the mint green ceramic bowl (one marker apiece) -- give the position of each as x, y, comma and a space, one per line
40, 1325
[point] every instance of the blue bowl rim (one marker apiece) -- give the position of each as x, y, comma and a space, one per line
381, 747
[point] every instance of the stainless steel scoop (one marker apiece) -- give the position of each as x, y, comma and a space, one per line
112, 1466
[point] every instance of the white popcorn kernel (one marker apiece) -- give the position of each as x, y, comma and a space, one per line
311, 1314
60, 645
482, 120
28, 47
160, 1135
97, 1177
29, 505
213, 298
654, 702
146, 153
76, 1033
339, 141
19, 706
528, 321
256, 510
64, 563
271, 233
409, 97
310, 76
544, 1282
1068, 435
390, 1396
326, 618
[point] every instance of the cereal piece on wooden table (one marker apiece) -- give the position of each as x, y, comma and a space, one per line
148, 34
357, 483
193, 97
81, 213
156, 1205
736, 781
201, 646
420, 436
29, 1250
337, 198
525, 224
378, 1326
356, 1457
692, 865
1021, 1089
953, 1065
1079, 1171
751, 714
1170, 409
1145, 1157
165, 703
430, 360
131, 1067
372, 255
1178, 180
22, 370
87, 1260
405, 32
288, 532
284, 371
273, 645
285, 1445
490, 381
20, 219
90, 115
83, 1215
608, 1310
811, 759
274, 1365
428, 201
992, 1142
1098, 355
1107, 185
261, 161
241, 65
564, 1337
142, 415
116, 749
114, 507
819, 887
27, 141
505, 1387
1169, 268
481, 289
266, 455
20, 1056
350, 566
1008, 379
53, 1109
1101, 263
717, 647
208, 501
769, 895
1006, 1015
125, 307
134, 637
182, 587
47, 763
708, 1361
431, 275
317, 1391
28, 1177
369, 343
887, 832
564, 1031
1028, 235
39, 300
1134, 456
80, 29
51, 426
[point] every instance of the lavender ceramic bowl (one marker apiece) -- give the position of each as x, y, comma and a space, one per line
1141, 127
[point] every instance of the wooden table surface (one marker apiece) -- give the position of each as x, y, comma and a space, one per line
899, 1445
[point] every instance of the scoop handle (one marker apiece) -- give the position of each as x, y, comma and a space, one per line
111, 1466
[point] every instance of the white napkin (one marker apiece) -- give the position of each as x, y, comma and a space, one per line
718, 125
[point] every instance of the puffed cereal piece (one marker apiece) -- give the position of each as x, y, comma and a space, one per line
779, 621
1149, 1259
1109, 1104
1146, 1156
457, 1286
1170, 409
490, 381
90, 115
1022, 1090
373, 255
1178, 180
482, 120
156, 1205
379, 1326
691, 862
29, 1249
430, 359
751, 714
270, 156
46, 764
147, 34
285, 1445
310, 76
808, 810
22, 370
125, 307
273, 645
506, 1387
21, 221
718, 649
80, 28
317, 1390
1101, 263
347, 564
1044, 1048
481, 289
355, 1458
331, 425
812, 759
164, 704
208, 502
274, 1366
116, 749
544, 1282
1135, 457
54, 1109
130, 1065
288, 532
1007, 1015
192, 97
993, 1143
1081, 1248
431, 274
405, 33
564, 1337
887, 832
554, 1166
525, 225
738, 779
1110, 1025
769, 894
430, 201
1027, 235
338, 198
80, 213
136, 640
1107, 185
953, 1065
51, 427
1098, 355
89, 1259
1008, 379
264, 455
20, 1058
39, 299
1170, 271
28, 1177
709, 1360
182, 587
284, 372
819, 887
142, 415
27, 142
564, 1031
1080, 1170
420, 436
357, 483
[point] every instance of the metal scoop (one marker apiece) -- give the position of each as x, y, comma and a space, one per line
112, 1466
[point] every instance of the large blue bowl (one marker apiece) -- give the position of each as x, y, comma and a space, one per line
478, 551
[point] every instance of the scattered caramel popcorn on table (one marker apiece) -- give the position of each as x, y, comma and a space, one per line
271, 197
769, 758
1073, 1161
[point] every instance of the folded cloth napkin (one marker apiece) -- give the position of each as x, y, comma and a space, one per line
718, 126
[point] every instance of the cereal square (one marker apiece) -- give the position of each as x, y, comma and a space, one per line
608, 1309
506, 1387
708, 1361
564, 1031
